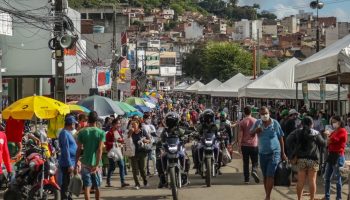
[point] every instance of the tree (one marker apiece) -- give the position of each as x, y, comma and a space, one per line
220, 60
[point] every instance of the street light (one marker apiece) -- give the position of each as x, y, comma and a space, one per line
317, 5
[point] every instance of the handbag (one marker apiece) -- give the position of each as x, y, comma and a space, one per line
226, 157
115, 153
75, 185
282, 175
333, 158
129, 147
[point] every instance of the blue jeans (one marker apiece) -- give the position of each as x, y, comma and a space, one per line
111, 168
332, 171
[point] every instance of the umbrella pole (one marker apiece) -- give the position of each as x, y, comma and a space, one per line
338, 100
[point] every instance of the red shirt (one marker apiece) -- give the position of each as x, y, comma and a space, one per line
247, 139
110, 138
14, 130
337, 141
4, 153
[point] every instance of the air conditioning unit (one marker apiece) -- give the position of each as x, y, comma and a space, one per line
132, 14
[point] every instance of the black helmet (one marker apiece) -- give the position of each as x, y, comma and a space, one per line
208, 116
172, 119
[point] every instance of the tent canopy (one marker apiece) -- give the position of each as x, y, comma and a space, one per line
325, 64
231, 86
206, 89
279, 84
181, 87
194, 87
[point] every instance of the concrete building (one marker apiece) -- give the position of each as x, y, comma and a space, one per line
333, 33
193, 30
269, 28
152, 62
247, 29
291, 23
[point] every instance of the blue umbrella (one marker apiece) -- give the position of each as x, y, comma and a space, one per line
143, 109
102, 105
137, 113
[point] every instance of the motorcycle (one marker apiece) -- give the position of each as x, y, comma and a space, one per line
35, 179
207, 158
174, 170
223, 143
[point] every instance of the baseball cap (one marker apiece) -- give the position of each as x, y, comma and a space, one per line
284, 113
70, 120
293, 111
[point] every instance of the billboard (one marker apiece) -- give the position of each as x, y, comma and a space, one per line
167, 71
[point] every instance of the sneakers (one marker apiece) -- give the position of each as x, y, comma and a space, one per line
246, 182
256, 177
137, 187
145, 183
125, 185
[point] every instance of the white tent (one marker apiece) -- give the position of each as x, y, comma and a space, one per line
181, 87
325, 64
206, 89
231, 86
194, 87
279, 84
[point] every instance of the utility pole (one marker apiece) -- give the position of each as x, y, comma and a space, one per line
258, 55
60, 83
254, 62
115, 67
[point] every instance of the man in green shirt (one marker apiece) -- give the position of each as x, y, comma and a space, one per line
91, 139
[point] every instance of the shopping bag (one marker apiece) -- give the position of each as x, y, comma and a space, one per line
75, 185
115, 153
129, 147
226, 157
283, 174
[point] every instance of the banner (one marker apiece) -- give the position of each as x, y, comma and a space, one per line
323, 89
305, 94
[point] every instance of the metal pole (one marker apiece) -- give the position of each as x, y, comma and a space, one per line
258, 55
254, 62
317, 30
60, 93
339, 82
296, 96
115, 67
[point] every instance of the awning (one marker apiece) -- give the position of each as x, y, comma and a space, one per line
325, 64
181, 87
194, 87
206, 89
231, 86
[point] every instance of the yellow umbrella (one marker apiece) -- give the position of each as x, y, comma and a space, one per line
39, 106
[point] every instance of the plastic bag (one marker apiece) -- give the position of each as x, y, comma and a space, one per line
129, 147
75, 185
226, 157
115, 153
283, 174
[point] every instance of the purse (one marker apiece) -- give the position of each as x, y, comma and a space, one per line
115, 153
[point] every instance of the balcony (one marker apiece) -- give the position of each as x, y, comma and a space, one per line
152, 70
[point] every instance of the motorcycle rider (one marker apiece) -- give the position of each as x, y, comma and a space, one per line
183, 122
208, 125
224, 125
172, 128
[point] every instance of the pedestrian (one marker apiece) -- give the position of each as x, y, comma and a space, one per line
151, 132
271, 147
138, 162
306, 144
82, 120
91, 139
336, 159
67, 159
4, 155
248, 145
115, 137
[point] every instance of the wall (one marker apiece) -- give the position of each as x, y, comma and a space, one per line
193, 31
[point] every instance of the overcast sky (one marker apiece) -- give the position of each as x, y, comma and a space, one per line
283, 8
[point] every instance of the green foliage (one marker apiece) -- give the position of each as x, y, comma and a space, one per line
220, 60
179, 10
168, 26
267, 15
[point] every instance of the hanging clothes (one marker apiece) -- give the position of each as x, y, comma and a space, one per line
55, 124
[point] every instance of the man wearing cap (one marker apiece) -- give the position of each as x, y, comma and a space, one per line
67, 160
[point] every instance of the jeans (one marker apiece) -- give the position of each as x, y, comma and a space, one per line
65, 195
151, 156
252, 153
111, 168
332, 171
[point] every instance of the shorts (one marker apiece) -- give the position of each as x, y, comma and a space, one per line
268, 163
307, 164
91, 179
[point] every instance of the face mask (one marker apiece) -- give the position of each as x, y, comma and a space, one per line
265, 117
335, 125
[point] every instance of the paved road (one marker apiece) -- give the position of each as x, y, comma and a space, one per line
227, 186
